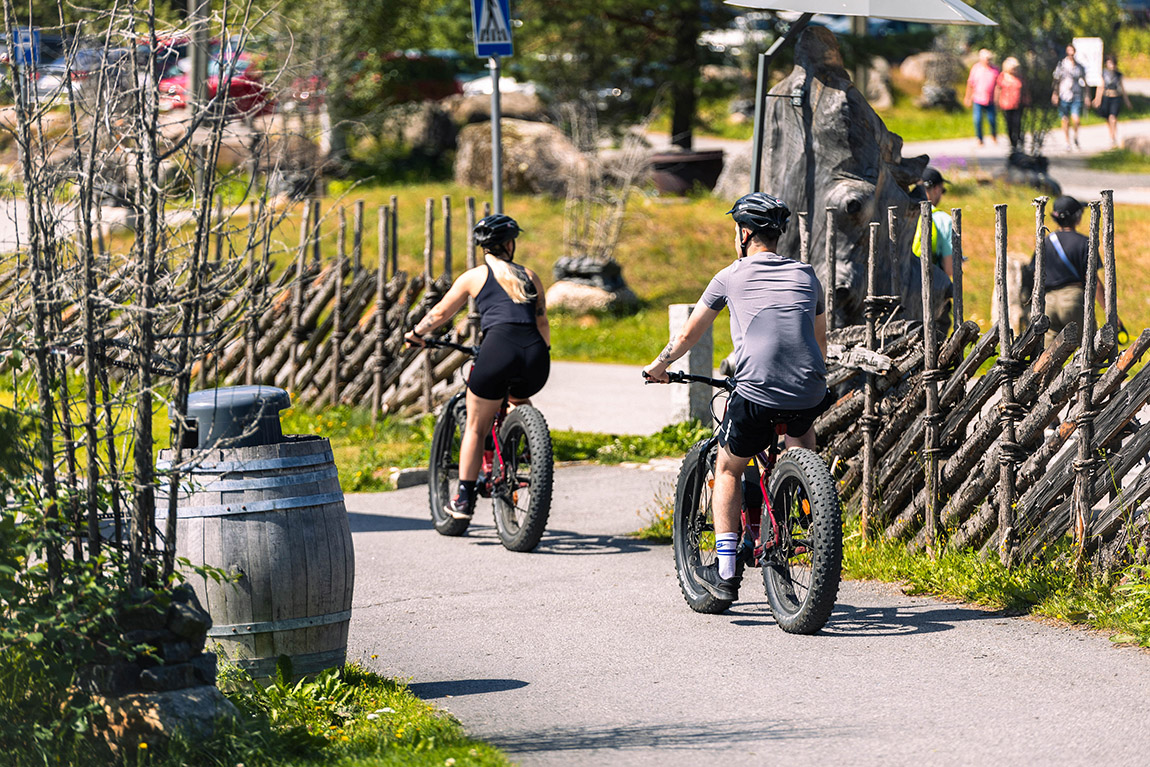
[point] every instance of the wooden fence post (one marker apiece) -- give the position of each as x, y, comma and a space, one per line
869, 421
357, 240
956, 260
394, 235
447, 237
1085, 463
930, 383
1038, 293
472, 314
297, 296
429, 276
315, 238
830, 253
1009, 410
380, 318
892, 250
337, 313
1109, 269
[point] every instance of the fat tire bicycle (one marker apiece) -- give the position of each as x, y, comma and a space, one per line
516, 473
791, 527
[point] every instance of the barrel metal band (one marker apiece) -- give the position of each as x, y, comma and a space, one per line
268, 464
252, 507
261, 483
306, 663
289, 624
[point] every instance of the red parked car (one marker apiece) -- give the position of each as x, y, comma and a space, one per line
247, 94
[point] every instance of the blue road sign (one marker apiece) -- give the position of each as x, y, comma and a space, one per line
491, 25
27, 46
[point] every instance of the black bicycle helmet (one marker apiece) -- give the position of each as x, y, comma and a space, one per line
495, 230
758, 211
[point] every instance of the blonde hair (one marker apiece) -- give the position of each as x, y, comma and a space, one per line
513, 278
1010, 65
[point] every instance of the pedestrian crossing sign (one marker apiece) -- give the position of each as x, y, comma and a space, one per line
491, 26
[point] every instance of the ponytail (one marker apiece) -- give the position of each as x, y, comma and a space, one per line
513, 278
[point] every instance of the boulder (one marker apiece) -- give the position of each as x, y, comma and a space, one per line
878, 91
579, 298
735, 180
1137, 144
467, 109
425, 127
914, 67
153, 718
537, 158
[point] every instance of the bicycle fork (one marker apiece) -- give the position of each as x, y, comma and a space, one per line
756, 500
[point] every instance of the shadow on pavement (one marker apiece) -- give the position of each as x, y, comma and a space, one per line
672, 735
457, 687
567, 542
850, 621
382, 523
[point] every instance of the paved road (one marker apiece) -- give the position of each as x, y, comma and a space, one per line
610, 399
585, 654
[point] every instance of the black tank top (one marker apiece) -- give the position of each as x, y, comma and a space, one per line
496, 307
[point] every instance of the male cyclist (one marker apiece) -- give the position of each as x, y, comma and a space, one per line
778, 326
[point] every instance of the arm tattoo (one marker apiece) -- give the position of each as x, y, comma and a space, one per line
665, 355
540, 311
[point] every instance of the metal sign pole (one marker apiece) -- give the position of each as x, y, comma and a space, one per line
761, 95
496, 139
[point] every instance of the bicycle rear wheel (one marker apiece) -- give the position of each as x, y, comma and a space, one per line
802, 573
523, 498
443, 471
693, 532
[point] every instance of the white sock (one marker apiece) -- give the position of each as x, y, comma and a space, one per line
725, 546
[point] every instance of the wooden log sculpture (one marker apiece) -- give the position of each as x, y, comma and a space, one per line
827, 148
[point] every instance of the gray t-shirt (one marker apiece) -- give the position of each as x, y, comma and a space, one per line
774, 301
1071, 80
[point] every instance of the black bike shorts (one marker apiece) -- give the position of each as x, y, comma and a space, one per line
748, 427
512, 359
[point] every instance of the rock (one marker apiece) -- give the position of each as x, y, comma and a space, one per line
109, 679
411, 477
142, 616
186, 594
537, 158
578, 298
465, 110
205, 665
153, 718
153, 637
177, 652
878, 91
914, 67
735, 180
425, 127
1137, 144
605, 275
188, 621
165, 678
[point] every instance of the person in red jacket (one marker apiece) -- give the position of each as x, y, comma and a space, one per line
1010, 101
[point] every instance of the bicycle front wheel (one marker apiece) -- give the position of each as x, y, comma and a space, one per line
443, 469
801, 573
523, 498
693, 532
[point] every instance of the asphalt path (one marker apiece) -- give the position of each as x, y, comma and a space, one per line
584, 653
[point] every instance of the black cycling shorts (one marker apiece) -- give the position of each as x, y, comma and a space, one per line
512, 359
748, 427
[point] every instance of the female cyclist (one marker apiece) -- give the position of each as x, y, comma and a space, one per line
514, 357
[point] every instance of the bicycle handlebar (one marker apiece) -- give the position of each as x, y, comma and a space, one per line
675, 376
441, 344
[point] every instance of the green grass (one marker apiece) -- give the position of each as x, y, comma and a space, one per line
1120, 161
672, 440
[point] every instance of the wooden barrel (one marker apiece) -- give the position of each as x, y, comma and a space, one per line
273, 515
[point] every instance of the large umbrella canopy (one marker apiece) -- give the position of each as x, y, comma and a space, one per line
925, 11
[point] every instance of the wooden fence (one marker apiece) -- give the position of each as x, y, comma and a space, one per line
1043, 444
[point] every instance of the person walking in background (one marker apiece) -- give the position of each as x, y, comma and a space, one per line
1107, 95
980, 87
933, 186
1069, 86
1010, 87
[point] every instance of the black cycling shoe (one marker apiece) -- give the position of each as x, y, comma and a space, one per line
726, 589
459, 508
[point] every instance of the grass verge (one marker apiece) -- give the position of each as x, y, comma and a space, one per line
1120, 161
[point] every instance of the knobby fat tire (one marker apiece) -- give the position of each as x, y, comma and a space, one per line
812, 613
700, 462
524, 535
448, 433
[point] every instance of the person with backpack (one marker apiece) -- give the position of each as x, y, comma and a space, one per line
1065, 275
933, 186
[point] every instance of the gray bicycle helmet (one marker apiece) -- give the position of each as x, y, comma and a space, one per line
758, 211
495, 230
